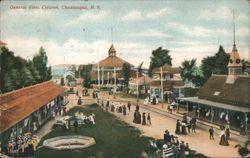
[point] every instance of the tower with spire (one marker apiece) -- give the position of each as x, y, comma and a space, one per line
234, 65
112, 51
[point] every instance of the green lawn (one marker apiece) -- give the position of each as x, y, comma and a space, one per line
114, 138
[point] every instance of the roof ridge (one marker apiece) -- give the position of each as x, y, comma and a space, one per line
24, 88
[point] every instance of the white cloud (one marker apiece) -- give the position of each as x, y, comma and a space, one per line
76, 51
200, 50
196, 30
87, 16
149, 33
242, 32
81, 52
222, 13
159, 13
132, 16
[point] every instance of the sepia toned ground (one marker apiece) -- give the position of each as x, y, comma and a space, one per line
161, 120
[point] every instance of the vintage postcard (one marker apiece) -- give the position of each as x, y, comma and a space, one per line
124, 79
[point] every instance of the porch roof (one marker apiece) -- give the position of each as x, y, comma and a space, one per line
216, 104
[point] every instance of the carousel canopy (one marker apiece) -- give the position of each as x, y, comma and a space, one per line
111, 74
112, 60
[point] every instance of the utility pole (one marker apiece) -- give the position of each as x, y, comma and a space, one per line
137, 76
98, 69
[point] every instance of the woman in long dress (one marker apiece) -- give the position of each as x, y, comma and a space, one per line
223, 139
177, 130
144, 118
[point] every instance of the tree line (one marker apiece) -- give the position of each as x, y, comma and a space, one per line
17, 72
192, 73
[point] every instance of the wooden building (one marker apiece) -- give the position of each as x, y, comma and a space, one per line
142, 83
173, 86
27, 109
224, 98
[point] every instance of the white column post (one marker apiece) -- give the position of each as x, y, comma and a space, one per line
98, 71
108, 79
161, 89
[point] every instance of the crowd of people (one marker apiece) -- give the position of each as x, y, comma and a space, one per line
126, 110
22, 146
185, 126
141, 119
171, 146
224, 134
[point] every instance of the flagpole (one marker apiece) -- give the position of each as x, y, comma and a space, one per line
98, 69
161, 90
102, 75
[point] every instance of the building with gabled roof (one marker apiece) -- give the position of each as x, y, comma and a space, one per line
173, 86
26, 109
224, 99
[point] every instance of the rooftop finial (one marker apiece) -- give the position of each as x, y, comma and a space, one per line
111, 35
234, 28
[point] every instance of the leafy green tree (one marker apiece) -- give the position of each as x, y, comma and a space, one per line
187, 70
190, 73
17, 72
34, 72
8, 83
26, 77
16, 78
85, 74
245, 67
216, 64
6, 64
40, 61
159, 58
221, 62
126, 68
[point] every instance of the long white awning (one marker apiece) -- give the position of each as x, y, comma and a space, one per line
216, 104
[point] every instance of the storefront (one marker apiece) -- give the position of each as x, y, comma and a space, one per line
217, 113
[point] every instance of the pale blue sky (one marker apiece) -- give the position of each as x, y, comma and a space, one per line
189, 29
